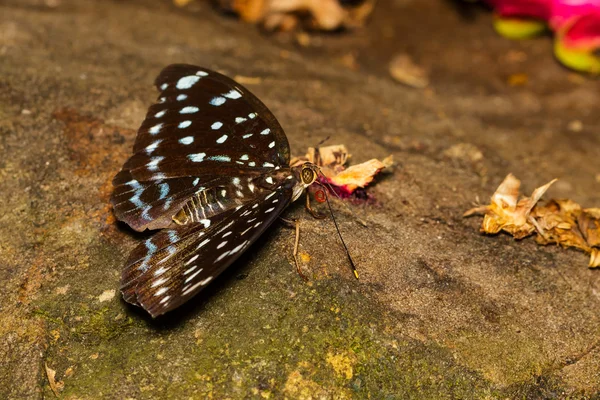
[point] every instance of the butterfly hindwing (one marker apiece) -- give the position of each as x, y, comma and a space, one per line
175, 264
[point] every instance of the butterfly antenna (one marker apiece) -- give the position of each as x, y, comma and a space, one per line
321, 142
337, 228
317, 159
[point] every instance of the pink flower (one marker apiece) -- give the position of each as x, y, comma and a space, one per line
576, 24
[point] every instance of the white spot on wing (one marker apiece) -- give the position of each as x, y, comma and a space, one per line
265, 132
191, 277
222, 256
158, 282
187, 140
238, 248
187, 82
201, 283
184, 124
164, 190
191, 260
153, 164
198, 157
220, 158
218, 101
155, 129
222, 139
204, 242
181, 97
189, 110
151, 147
160, 113
190, 270
216, 125
233, 94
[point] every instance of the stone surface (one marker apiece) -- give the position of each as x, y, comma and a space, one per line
440, 311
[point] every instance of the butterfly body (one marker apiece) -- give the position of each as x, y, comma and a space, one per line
210, 169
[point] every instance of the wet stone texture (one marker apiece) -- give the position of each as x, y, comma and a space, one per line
440, 311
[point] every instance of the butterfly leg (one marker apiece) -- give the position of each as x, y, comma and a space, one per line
296, 224
312, 212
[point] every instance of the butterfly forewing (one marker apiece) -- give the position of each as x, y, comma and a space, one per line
204, 128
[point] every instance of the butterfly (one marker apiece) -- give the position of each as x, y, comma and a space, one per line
210, 170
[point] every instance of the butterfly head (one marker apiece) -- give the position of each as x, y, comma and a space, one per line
306, 174
309, 173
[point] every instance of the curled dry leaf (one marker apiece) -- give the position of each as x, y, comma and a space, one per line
332, 160
506, 212
288, 14
563, 222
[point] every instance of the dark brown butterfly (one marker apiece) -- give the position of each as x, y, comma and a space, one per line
210, 168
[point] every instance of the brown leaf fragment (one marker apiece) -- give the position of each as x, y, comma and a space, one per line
506, 212
589, 224
286, 15
54, 385
557, 221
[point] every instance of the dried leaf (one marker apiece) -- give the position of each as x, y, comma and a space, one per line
506, 213
287, 14
589, 224
594, 258
563, 222
557, 222
54, 385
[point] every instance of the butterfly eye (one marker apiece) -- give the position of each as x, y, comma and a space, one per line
308, 176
